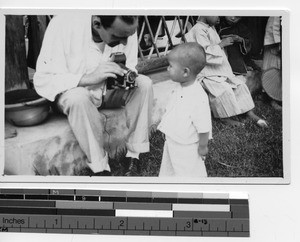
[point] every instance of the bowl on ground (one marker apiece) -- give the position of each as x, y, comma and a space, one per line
24, 107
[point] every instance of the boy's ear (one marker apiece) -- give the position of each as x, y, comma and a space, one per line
186, 72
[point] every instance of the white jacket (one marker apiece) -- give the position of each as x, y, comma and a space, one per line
68, 52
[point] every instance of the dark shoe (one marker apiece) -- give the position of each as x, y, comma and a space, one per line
132, 166
88, 172
102, 173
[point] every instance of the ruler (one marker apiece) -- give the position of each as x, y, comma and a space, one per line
124, 212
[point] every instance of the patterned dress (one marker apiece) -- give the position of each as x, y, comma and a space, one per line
237, 53
228, 94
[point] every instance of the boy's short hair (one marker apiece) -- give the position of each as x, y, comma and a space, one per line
191, 55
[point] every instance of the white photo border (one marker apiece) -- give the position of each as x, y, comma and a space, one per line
154, 180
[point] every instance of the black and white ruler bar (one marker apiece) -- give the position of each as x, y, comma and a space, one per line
124, 212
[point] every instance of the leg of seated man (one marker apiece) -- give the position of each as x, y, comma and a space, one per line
138, 112
87, 126
138, 108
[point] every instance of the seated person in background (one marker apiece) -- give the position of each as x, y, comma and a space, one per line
187, 121
228, 95
231, 26
72, 69
272, 62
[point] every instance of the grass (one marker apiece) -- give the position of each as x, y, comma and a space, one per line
248, 151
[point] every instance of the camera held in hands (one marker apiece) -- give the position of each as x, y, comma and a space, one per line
128, 80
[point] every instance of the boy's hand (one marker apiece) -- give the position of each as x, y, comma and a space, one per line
203, 145
237, 38
234, 37
226, 42
203, 150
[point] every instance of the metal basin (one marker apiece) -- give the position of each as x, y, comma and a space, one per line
24, 107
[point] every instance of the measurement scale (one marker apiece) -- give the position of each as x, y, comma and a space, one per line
124, 212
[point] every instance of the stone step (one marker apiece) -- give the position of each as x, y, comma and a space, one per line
51, 148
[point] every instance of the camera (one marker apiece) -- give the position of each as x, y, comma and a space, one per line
128, 80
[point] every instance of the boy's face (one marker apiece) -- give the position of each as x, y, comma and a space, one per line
212, 20
232, 19
175, 69
116, 34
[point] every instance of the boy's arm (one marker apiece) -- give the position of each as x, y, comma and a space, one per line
203, 142
201, 119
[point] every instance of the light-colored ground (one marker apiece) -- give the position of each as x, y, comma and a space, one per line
51, 148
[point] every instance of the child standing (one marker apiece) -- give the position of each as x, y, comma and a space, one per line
187, 121
228, 95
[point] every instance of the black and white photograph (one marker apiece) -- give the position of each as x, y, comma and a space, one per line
166, 97
149, 120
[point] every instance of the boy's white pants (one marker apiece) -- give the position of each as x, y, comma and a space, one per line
88, 127
181, 160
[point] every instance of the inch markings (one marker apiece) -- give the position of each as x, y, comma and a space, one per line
124, 212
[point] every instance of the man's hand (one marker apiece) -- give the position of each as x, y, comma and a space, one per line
102, 72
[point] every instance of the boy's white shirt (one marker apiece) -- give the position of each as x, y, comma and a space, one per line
68, 52
187, 114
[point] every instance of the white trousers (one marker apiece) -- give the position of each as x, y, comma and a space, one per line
181, 160
88, 126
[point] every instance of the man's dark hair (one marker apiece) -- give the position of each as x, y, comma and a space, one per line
107, 20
